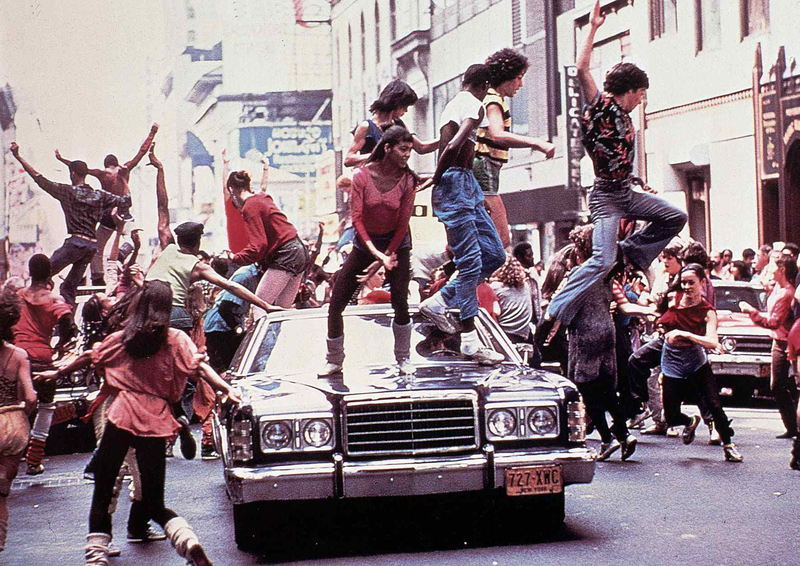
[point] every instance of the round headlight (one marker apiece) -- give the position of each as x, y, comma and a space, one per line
502, 422
317, 433
542, 421
277, 435
728, 344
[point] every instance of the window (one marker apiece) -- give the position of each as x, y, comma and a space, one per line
350, 51
663, 18
755, 16
392, 19
377, 33
708, 28
363, 44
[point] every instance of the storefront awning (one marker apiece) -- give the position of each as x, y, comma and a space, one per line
547, 204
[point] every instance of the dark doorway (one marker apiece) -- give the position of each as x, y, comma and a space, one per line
769, 211
793, 191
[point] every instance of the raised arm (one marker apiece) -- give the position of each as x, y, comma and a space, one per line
204, 271
585, 59
264, 175
66, 162
14, 148
165, 236
55, 190
354, 157
226, 170
144, 148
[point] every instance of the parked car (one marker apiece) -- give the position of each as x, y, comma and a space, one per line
744, 368
454, 427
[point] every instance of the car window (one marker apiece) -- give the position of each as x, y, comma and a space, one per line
298, 345
728, 298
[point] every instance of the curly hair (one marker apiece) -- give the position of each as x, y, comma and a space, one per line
581, 236
9, 314
239, 181
624, 77
511, 274
395, 95
505, 65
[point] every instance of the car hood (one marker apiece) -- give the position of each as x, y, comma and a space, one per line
309, 392
738, 323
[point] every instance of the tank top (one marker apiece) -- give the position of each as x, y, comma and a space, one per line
485, 146
375, 134
8, 386
174, 267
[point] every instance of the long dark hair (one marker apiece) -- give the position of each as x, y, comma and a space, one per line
392, 137
9, 314
397, 94
147, 328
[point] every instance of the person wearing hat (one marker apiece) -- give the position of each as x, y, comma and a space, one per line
83, 208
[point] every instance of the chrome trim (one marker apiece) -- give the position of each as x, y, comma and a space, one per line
281, 483
522, 425
371, 399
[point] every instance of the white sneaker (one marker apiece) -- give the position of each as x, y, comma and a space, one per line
113, 549
406, 367
673, 431
435, 309
329, 369
485, 356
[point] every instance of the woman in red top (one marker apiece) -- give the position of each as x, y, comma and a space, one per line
690, 327
272, 242
382, 201
148, 363
779, 321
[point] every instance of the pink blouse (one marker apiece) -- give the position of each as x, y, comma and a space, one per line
147, 386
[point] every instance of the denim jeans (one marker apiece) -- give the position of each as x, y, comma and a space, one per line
78, 253
784, 388
477, 251
641, 248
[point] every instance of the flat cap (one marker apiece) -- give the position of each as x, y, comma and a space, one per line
189, 229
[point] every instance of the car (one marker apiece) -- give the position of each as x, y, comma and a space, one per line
744, 368
508, 432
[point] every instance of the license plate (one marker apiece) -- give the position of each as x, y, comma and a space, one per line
764, 370
534, 480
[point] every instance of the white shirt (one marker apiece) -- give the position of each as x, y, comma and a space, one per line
463, 106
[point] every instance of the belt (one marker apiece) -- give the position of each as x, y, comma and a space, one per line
617, 184
87, 238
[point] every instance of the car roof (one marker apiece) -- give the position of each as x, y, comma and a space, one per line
725, 283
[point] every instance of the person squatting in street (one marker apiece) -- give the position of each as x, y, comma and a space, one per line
382, 201
17, 399
690, 327
609, 138
457, 201
592, 348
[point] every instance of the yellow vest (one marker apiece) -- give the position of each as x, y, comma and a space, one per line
484, 144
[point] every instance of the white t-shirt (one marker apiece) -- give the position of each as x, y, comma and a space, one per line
463, 106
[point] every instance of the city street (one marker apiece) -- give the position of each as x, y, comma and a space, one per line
670, 504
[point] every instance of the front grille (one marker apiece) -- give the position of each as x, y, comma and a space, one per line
410, 426
752, 345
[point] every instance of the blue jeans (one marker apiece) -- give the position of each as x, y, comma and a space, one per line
78, 253
477, 251
641, 247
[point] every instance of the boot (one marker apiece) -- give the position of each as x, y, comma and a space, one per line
335, 357
34, 456
96, 549
402, 347
795, 461
185, 542
3, 533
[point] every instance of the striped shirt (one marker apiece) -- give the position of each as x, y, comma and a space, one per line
485, 145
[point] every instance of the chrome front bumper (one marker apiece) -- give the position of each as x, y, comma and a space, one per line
737, 364
398, 477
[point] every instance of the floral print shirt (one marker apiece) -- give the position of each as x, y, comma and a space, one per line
609, 137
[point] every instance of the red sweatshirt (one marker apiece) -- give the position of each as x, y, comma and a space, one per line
267, 229
374, 212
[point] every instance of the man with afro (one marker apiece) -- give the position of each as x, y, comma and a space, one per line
495, 138
610, 139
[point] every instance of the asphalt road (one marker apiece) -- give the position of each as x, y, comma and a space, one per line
669, 504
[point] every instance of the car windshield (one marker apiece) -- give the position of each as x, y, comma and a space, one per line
296, 346
728, 297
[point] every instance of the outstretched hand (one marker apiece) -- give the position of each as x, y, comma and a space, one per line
154, 161
597, 16
14, 149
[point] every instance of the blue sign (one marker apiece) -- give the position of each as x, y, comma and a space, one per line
292, 147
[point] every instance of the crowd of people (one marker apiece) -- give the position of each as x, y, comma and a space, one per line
626, 309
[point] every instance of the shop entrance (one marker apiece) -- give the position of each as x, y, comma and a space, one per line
792, 202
